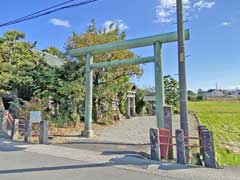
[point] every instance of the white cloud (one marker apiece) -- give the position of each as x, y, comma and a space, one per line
111, 25
203, 4
226, 24
166, 9
60, 22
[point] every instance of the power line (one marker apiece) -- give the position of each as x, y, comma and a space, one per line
45, 12
29, 15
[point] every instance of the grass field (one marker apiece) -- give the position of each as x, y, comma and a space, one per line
223, 118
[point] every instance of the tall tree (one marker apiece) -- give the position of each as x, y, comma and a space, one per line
109, 83
16, 62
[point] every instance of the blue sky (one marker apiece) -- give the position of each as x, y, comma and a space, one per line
214, 24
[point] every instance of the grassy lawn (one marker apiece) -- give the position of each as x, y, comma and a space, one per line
223, 118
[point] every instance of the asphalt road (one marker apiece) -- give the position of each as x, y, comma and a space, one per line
18, 162
48, 162
34, 166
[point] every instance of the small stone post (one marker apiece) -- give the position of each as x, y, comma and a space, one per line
128, 113
154, 143
1, 113
43, 136
15, 128
168, 125
134, 105
4, 122
180, 145
200, 129
27, 131
208, 148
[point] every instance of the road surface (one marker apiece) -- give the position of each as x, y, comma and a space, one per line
49, 162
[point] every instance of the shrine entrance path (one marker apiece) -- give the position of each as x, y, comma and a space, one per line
128, 136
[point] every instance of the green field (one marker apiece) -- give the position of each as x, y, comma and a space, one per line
223, 118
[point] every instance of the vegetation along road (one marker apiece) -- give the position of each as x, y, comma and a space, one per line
223, 119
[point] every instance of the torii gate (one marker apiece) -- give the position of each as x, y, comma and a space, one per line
155, 41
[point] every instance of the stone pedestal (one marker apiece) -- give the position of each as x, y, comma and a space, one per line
87, 133
27, 131
154, 143
43, 135
208, 149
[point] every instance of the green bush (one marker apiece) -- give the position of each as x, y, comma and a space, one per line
200, 98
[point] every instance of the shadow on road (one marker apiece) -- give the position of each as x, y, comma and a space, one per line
53, 168
110, 148
6, 146
131, 153
105, 143
126, 160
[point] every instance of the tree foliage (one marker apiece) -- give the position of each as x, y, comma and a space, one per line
60, 91
16, 62
171, 91
109, 83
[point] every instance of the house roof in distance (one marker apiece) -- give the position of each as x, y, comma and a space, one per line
51, 60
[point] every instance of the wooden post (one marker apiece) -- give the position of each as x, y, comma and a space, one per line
128, 113
208, 148
43, 136
181, 156
154, 143
27, 131
159, 84
168, 125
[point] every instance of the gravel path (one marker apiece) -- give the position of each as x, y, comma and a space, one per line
129, 136
134, 130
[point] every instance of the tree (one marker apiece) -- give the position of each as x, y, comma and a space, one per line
64, 85
25, 72
54, 51
109, 83
16, 63
191, 95
171, 91
140, 103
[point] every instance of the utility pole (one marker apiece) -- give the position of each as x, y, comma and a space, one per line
182, 74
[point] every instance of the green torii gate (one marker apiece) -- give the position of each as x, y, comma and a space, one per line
156, 41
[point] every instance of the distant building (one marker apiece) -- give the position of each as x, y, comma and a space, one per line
235, 92
219, 93
51, 60
214, 93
